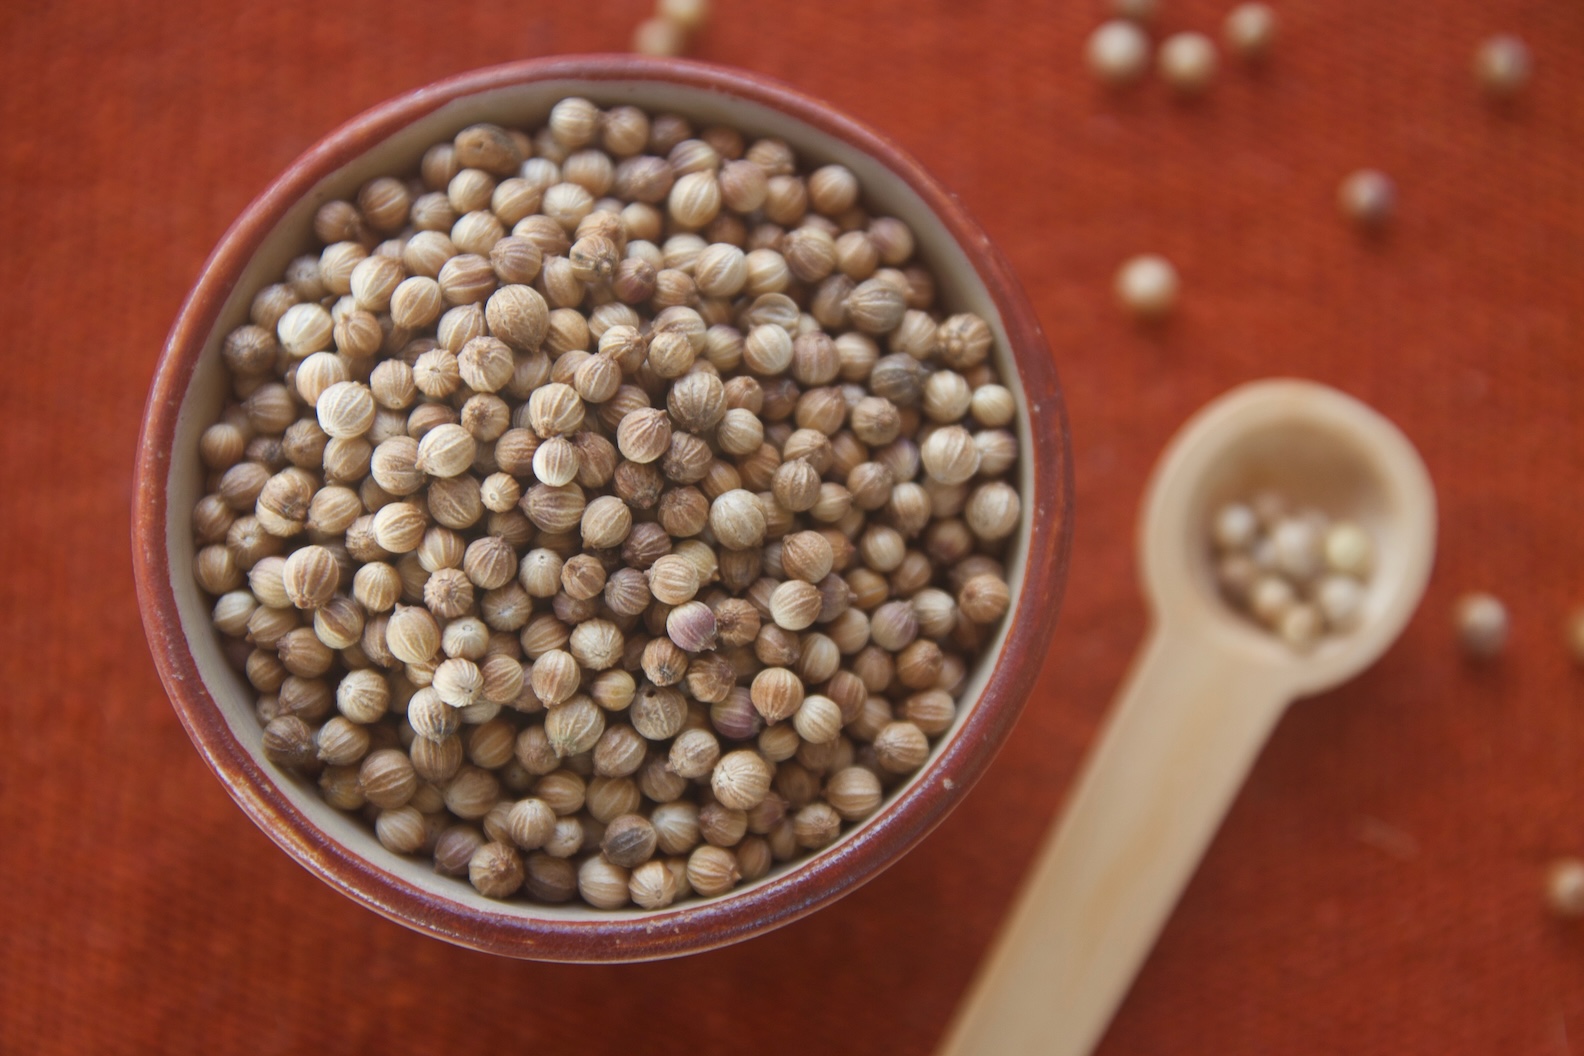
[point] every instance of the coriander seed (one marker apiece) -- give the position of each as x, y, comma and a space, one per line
1187, 62
1117, 52
1502, 65
1367, 197
1565, 888
1146, 286
1482, 625
1249, 30
740, 780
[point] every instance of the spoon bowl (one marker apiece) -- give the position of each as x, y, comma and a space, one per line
1317, 447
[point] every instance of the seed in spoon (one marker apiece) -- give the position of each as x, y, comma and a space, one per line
1292, 569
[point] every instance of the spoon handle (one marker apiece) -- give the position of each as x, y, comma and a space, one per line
1184, 731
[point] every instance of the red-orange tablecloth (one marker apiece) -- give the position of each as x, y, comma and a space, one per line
1376, 887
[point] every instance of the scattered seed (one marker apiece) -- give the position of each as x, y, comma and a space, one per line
1187, 62
1147, 285
1367, 197
1482, 625
1502, 65
1117, 52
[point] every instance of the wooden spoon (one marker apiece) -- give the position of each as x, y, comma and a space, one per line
1201, 699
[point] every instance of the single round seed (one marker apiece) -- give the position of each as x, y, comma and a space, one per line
1502, 65
1367, 197
1249, 30
1349, 550
1565, 888
1187, 62
1482, 625
1117, 52
741, 780
1147, 286
853, 792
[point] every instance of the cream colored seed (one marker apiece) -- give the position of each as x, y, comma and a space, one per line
318, 372
416, 303
818, 720
1502, 65
458, 682
737, 520
305, 329
712, 871
555, 410
652, 885
853, 792
446, 451
901, 747
1564, 888
993, 511
694, 754
690, 15
1249, 30
485, 364
1187, 62
1340, 600
556, 461
1349, 550
574, 122
795, 604
346, 409
1482, 625
1117, 52
606, 522
950, 455
1235, 526
555, 677
741, 780
673, 580
816, 825
695, 199
495, 870
1367, 197
1146, 286
310, 576
412, 635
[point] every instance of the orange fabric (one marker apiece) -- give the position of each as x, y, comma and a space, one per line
1376, 887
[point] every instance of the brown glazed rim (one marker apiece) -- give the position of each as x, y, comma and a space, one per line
689, 928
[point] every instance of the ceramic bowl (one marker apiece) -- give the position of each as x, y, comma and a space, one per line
216, 704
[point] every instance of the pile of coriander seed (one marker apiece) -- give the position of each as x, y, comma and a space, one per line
608, 511
1293, 569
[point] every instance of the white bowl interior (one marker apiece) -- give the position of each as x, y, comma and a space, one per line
525, 106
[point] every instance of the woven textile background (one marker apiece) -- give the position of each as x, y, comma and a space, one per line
1375, 888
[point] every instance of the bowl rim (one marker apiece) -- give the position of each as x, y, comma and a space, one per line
691, 927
